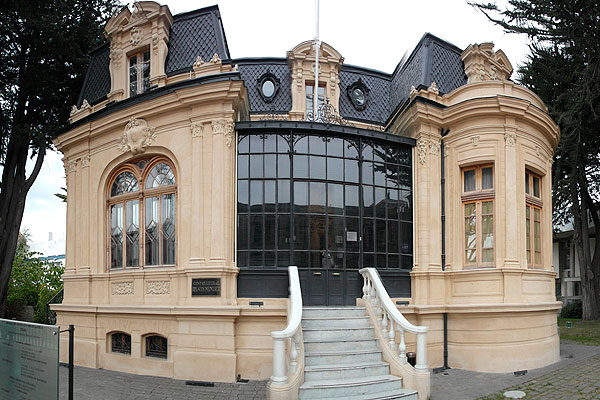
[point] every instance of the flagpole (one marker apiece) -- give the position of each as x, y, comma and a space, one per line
317, 46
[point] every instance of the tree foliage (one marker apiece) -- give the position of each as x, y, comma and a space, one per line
44, 47
32, 282
564, 70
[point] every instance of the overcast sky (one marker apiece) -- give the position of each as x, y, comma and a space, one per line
373, 34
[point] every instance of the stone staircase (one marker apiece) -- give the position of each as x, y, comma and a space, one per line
342, 360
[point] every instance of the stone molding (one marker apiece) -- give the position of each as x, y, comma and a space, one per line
158, 287
121, 288
137, 136
85, 161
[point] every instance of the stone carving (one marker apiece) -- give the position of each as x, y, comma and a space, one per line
483, 64
136, 35
433, 88
137, 136
138, 13
475, 140
155, 44
538, 150
197, 129
70, 166
199, 62
224, 127
158, 287
121, 288
85, 161
115, 56
422, 145
413, 91
434, 147
215, 59
510, 139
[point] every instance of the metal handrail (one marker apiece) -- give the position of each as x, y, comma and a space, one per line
51, 301
374, 290
292, 330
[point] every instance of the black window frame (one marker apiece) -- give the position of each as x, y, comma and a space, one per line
293, 154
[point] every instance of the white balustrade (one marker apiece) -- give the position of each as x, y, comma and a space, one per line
385, 309
289, 338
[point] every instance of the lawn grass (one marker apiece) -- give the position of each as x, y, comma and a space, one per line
583, 332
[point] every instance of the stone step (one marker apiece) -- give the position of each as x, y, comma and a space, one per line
365, 386
338, 333
335, 322
404, 394
339, 345
341, 357
334, 311
345, 371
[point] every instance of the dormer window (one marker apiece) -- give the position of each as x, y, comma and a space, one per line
139, 73
310, 89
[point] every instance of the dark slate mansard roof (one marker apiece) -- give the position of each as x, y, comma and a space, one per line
200, 33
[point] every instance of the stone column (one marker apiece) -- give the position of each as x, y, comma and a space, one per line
197, 233
70, 172
513, 200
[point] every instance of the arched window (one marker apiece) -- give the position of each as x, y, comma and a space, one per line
142, 194
156, 346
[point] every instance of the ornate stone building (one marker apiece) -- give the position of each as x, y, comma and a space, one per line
195, 180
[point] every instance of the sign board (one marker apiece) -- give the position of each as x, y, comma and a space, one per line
28, 361
206, 287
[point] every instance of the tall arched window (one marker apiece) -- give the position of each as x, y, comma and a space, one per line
142, 194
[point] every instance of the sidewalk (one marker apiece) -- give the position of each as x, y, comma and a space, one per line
575, 376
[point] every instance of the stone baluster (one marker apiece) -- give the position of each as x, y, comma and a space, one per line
365, 288
279, 367
421, 351
392, 335
402, 347
384, 323
294, 353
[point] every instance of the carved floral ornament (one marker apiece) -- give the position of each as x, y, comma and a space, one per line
197, 129
70, 166
158, 287
424, 146
224, 127
121, 288
137, 136
137, 32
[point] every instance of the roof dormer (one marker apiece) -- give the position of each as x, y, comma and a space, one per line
301, 61
138, 49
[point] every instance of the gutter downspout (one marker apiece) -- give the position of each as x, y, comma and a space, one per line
443, 199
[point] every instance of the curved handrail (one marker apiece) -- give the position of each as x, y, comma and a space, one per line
374, 291
388, 304
292, 331
295, 314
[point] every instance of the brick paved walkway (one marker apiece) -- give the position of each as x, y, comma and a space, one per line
99, 384
575, 376
577, 372
580, 381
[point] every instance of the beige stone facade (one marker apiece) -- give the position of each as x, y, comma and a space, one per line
501, 315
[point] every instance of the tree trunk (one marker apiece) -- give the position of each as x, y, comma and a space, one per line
589, 266
13, 191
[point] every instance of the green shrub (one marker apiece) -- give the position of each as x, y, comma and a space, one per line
572, 310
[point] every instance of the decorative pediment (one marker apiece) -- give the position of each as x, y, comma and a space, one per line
483, 64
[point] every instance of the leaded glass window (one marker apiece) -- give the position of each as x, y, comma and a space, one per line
151, 206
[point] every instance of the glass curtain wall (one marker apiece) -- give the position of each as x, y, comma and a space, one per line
319, 201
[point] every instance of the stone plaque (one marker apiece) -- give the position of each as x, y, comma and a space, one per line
28, 361
206, 287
